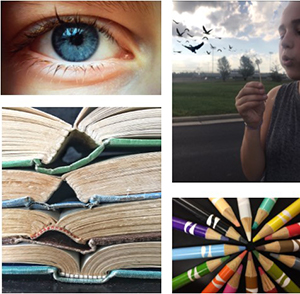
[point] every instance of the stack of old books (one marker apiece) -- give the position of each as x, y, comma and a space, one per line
82, 201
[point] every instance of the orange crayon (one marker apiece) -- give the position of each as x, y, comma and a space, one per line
224, 275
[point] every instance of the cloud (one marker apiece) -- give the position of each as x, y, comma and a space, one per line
231, 19
192, 6
250, 27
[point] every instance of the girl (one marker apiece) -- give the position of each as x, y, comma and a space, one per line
271, 145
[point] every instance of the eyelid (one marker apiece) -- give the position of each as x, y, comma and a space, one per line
120, 34
87, 72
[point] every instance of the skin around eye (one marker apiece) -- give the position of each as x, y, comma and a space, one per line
92, 55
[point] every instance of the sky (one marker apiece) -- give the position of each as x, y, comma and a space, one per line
250, 27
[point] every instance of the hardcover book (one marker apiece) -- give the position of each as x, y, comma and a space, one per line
32, 137
84, 218
84, 226
115, 178
88, 268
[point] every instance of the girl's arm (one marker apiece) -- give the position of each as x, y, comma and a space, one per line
256, 111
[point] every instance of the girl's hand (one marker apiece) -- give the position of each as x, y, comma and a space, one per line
250, 103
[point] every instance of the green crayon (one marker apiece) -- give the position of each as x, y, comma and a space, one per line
263, 211
277, 274
197, 272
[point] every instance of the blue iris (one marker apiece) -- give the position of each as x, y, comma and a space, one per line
75, 42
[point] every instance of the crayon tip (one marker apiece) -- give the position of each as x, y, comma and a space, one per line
242, 248
254, 226
242, 255
268, 238
240, 269
276, 256
224, 258
236, 223
261, 271
250, 256
256, 253
223, 238
248, 234
243, 240
260, 248
256, 238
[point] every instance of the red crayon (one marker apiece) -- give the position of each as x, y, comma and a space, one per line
285, 233
267, 284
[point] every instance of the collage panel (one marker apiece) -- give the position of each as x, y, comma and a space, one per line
81, 48
235, 245
236, 90
82, 176
81, 203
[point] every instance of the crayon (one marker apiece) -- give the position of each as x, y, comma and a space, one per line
209, 219
205, 251
281, 246
251, 276
279, 220
263, 211
267, 284
224, 275
233, 283
289, 260
277, 274
223, 207
285, 233
245, 215
196, 229
197, 272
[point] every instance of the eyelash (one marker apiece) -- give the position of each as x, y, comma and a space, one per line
282, 36
47, 25
44, 26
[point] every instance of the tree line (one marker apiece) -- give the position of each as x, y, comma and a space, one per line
246, 69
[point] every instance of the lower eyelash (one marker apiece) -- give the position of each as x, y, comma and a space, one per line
55, 68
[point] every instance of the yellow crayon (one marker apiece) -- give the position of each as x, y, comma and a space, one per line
279, 220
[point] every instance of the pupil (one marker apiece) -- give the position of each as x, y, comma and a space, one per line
75, 42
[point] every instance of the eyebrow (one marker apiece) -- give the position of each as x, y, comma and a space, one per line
294, 22
110, 6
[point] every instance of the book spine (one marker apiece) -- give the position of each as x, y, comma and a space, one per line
129, 274
75, 165
58, 229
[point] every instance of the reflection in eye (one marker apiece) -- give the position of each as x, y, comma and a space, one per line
96, 47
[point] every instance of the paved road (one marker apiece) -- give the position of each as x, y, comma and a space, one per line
207, 153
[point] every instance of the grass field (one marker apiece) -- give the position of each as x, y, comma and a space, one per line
208, 97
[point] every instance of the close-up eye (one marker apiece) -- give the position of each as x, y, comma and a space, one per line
81, 47
79, 42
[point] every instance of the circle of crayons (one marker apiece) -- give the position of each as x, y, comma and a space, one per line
235, 265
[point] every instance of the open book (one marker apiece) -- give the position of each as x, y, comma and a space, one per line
97, 265
32, 137
81, 225
119, 176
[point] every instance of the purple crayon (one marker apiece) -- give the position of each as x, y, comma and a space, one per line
196, 229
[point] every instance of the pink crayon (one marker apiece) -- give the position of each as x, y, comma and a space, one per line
234, 282
267, 284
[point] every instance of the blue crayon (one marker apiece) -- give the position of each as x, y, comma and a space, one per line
205, 251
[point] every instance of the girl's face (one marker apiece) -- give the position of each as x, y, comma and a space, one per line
289, 47
82, 47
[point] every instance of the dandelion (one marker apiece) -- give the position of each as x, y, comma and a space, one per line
258, 61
